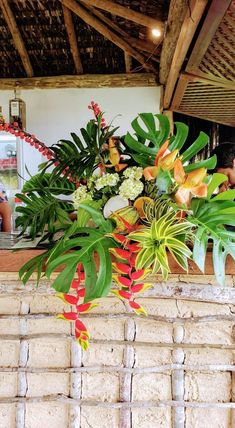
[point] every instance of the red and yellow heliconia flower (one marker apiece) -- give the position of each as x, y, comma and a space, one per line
164, 160
138, 309
190, 184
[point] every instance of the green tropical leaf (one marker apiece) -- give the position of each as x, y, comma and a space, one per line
216, 180
209, 163
178, 140
198, 145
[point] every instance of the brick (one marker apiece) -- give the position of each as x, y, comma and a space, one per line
9, 305
48, 325
8, 384
151, 386
150, 357
153, 331
208, 356
46, 415
216, 332
99, 418
152, 418
49, 352
200, 309
100, 386
208, 387
98, 355
41, 384
159, 307
105, 329
41, 303
205, 280
9, 353
9, 326
109, 305
202, 418
7, 415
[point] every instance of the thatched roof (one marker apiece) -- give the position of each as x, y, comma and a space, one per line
45, 37
95, 43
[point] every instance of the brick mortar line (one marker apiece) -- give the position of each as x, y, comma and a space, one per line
45, 315
23, 360
117, 405
177, 377
111, 369
75, 384
61, 336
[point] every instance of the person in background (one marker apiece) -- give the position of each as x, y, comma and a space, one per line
5, 211
225, 153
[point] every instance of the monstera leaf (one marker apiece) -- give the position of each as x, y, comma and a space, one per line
209, 217
86, 245
144, 147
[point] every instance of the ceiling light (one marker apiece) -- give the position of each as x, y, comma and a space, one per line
156, 32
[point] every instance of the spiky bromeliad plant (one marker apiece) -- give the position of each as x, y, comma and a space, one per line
137, 200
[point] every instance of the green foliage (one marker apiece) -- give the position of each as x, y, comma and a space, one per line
79, 157
210, 216
165, 234
40, 212
89, 246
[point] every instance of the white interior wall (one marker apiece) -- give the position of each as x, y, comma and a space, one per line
51, 114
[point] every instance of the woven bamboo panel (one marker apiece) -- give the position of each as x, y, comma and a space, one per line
202, 98
214, 53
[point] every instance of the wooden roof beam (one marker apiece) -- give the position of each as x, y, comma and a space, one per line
125, 12
191, 21
91, 20
176, 14
129, 80
17, 38
143, 45
68, 20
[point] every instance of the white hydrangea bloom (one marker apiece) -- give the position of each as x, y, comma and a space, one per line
107, 180
133, 172
130, 189
80, 195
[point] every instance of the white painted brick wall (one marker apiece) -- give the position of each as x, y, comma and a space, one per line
127, 378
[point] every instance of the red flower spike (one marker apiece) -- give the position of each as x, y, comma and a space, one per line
133, 260
122, 268
86, 307
68, 298
81, 292
140, 274
138, 309
79, 326
122, 294
83, 342
120, 253
119, 238
69, 316
122, 280
141, 287
133, 247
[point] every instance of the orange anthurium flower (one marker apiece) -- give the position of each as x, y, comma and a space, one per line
114, 157
165, 160
190, 184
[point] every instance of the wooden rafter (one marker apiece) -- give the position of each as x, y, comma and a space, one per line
177, 11
124, 12
81, 81
91, 20
143, 45
68, 20
128, 62
189, 26
17, 38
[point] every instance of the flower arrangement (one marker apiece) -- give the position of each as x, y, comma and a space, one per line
129, 203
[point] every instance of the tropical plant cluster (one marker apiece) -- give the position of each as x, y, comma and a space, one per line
116, 209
